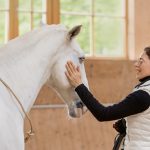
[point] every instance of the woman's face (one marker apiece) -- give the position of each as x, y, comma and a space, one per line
142, 66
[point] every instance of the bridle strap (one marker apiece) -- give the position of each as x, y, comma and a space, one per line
30, 132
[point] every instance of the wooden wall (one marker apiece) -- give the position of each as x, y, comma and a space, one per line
138, 26
109, 81
141, 25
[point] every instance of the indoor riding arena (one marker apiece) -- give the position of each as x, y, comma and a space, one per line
37, 95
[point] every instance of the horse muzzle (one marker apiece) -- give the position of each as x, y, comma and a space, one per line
77, 109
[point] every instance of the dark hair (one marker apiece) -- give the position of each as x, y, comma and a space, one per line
147, 50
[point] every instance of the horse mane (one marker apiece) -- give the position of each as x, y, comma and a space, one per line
30, 40
32, 37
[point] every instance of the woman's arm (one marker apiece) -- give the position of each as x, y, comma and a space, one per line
134, 103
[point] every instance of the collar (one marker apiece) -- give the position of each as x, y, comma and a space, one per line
145, 79
142, 81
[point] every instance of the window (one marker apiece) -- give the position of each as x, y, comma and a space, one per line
104, 25
21, 16
31, 13
104, 22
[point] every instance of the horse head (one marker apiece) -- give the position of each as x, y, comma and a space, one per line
70, 50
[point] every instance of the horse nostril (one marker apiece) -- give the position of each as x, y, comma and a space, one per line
79, 104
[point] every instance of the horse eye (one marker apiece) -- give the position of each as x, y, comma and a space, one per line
81, 59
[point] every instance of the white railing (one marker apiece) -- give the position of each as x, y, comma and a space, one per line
47, 106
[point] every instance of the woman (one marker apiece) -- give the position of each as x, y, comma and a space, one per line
135, 107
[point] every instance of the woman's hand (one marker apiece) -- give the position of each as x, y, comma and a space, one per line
73, 74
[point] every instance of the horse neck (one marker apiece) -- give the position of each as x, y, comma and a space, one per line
26, 71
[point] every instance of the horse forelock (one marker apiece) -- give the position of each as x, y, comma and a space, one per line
76, 48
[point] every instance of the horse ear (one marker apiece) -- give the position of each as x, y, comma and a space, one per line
74, 31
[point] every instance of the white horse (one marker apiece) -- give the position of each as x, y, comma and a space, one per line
26, 64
